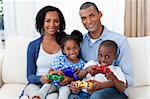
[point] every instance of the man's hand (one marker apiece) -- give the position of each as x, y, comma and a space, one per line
73, 87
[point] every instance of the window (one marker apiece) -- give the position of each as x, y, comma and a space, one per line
1, 16
2, 37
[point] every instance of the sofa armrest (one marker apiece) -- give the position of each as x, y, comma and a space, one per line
1, 63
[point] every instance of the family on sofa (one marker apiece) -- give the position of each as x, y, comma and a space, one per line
56, 51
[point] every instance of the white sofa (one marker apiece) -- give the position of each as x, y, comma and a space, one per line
13, 67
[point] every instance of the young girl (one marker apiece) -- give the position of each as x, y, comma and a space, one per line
70, 45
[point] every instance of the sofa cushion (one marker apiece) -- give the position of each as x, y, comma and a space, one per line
1, 62
14, 66
11, 91
141, 92
140, 54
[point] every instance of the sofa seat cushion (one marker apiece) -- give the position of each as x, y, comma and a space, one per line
11, 91
141, 92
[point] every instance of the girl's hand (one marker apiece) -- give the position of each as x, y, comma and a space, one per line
59, 72
44, 79
73, 87
66, 81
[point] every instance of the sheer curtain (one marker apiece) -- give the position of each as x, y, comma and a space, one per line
137, 18
9, 17
113, 18
19, 17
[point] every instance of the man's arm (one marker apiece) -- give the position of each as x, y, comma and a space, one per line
124, 61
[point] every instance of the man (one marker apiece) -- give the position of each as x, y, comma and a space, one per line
97, 33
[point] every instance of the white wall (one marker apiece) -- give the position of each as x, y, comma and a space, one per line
20, 15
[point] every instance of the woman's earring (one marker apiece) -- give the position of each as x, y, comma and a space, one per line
58, 30
63, 52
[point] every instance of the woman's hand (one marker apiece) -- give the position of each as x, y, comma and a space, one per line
66, 81
73, 87
44, 79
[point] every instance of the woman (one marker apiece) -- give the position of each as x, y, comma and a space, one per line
49, 22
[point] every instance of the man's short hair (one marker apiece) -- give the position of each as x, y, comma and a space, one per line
87, 5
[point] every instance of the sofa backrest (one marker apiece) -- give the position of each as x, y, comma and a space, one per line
14, 64
140, 52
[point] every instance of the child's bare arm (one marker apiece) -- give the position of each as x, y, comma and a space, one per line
120, 86
82, 73
91, 70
